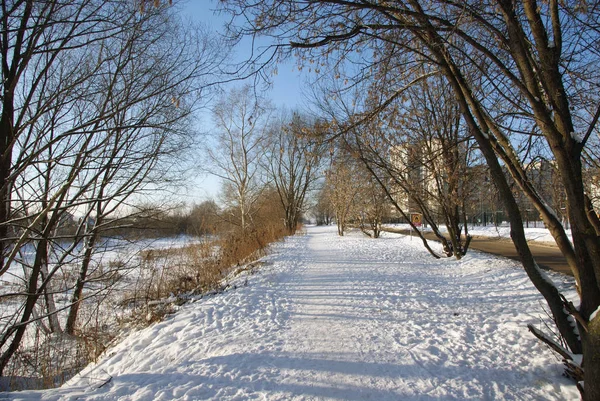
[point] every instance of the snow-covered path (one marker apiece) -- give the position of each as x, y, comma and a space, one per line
330, 318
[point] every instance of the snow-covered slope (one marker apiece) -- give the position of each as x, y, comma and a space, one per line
341, 318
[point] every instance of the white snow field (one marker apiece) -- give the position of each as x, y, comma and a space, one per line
341, 318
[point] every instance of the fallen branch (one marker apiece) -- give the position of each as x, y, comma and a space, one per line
573, 367
105, 382
550, 342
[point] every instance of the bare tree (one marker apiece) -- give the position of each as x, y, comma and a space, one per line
240, 135
293, 164
342, 188
372, 205
423, 147
94, 100
322, 209
416, 148
203, 218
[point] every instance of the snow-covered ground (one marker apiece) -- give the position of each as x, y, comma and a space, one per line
531, 233
341, 318
537, 234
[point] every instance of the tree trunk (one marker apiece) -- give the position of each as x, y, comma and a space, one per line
591, 352
6, 139
53, 322
18, 330
77, 297
550, 293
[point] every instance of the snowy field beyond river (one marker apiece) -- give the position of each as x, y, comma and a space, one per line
341, 318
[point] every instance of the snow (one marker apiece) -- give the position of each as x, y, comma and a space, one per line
341, 318
593, 315
532, 234
537, 234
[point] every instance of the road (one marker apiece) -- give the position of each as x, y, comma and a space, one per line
546, 255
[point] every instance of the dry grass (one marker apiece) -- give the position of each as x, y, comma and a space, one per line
54, 359
167, 277
201, 267
194, 269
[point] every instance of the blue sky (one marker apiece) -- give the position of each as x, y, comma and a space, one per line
285, 90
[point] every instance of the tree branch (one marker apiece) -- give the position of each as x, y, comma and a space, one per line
328, 39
